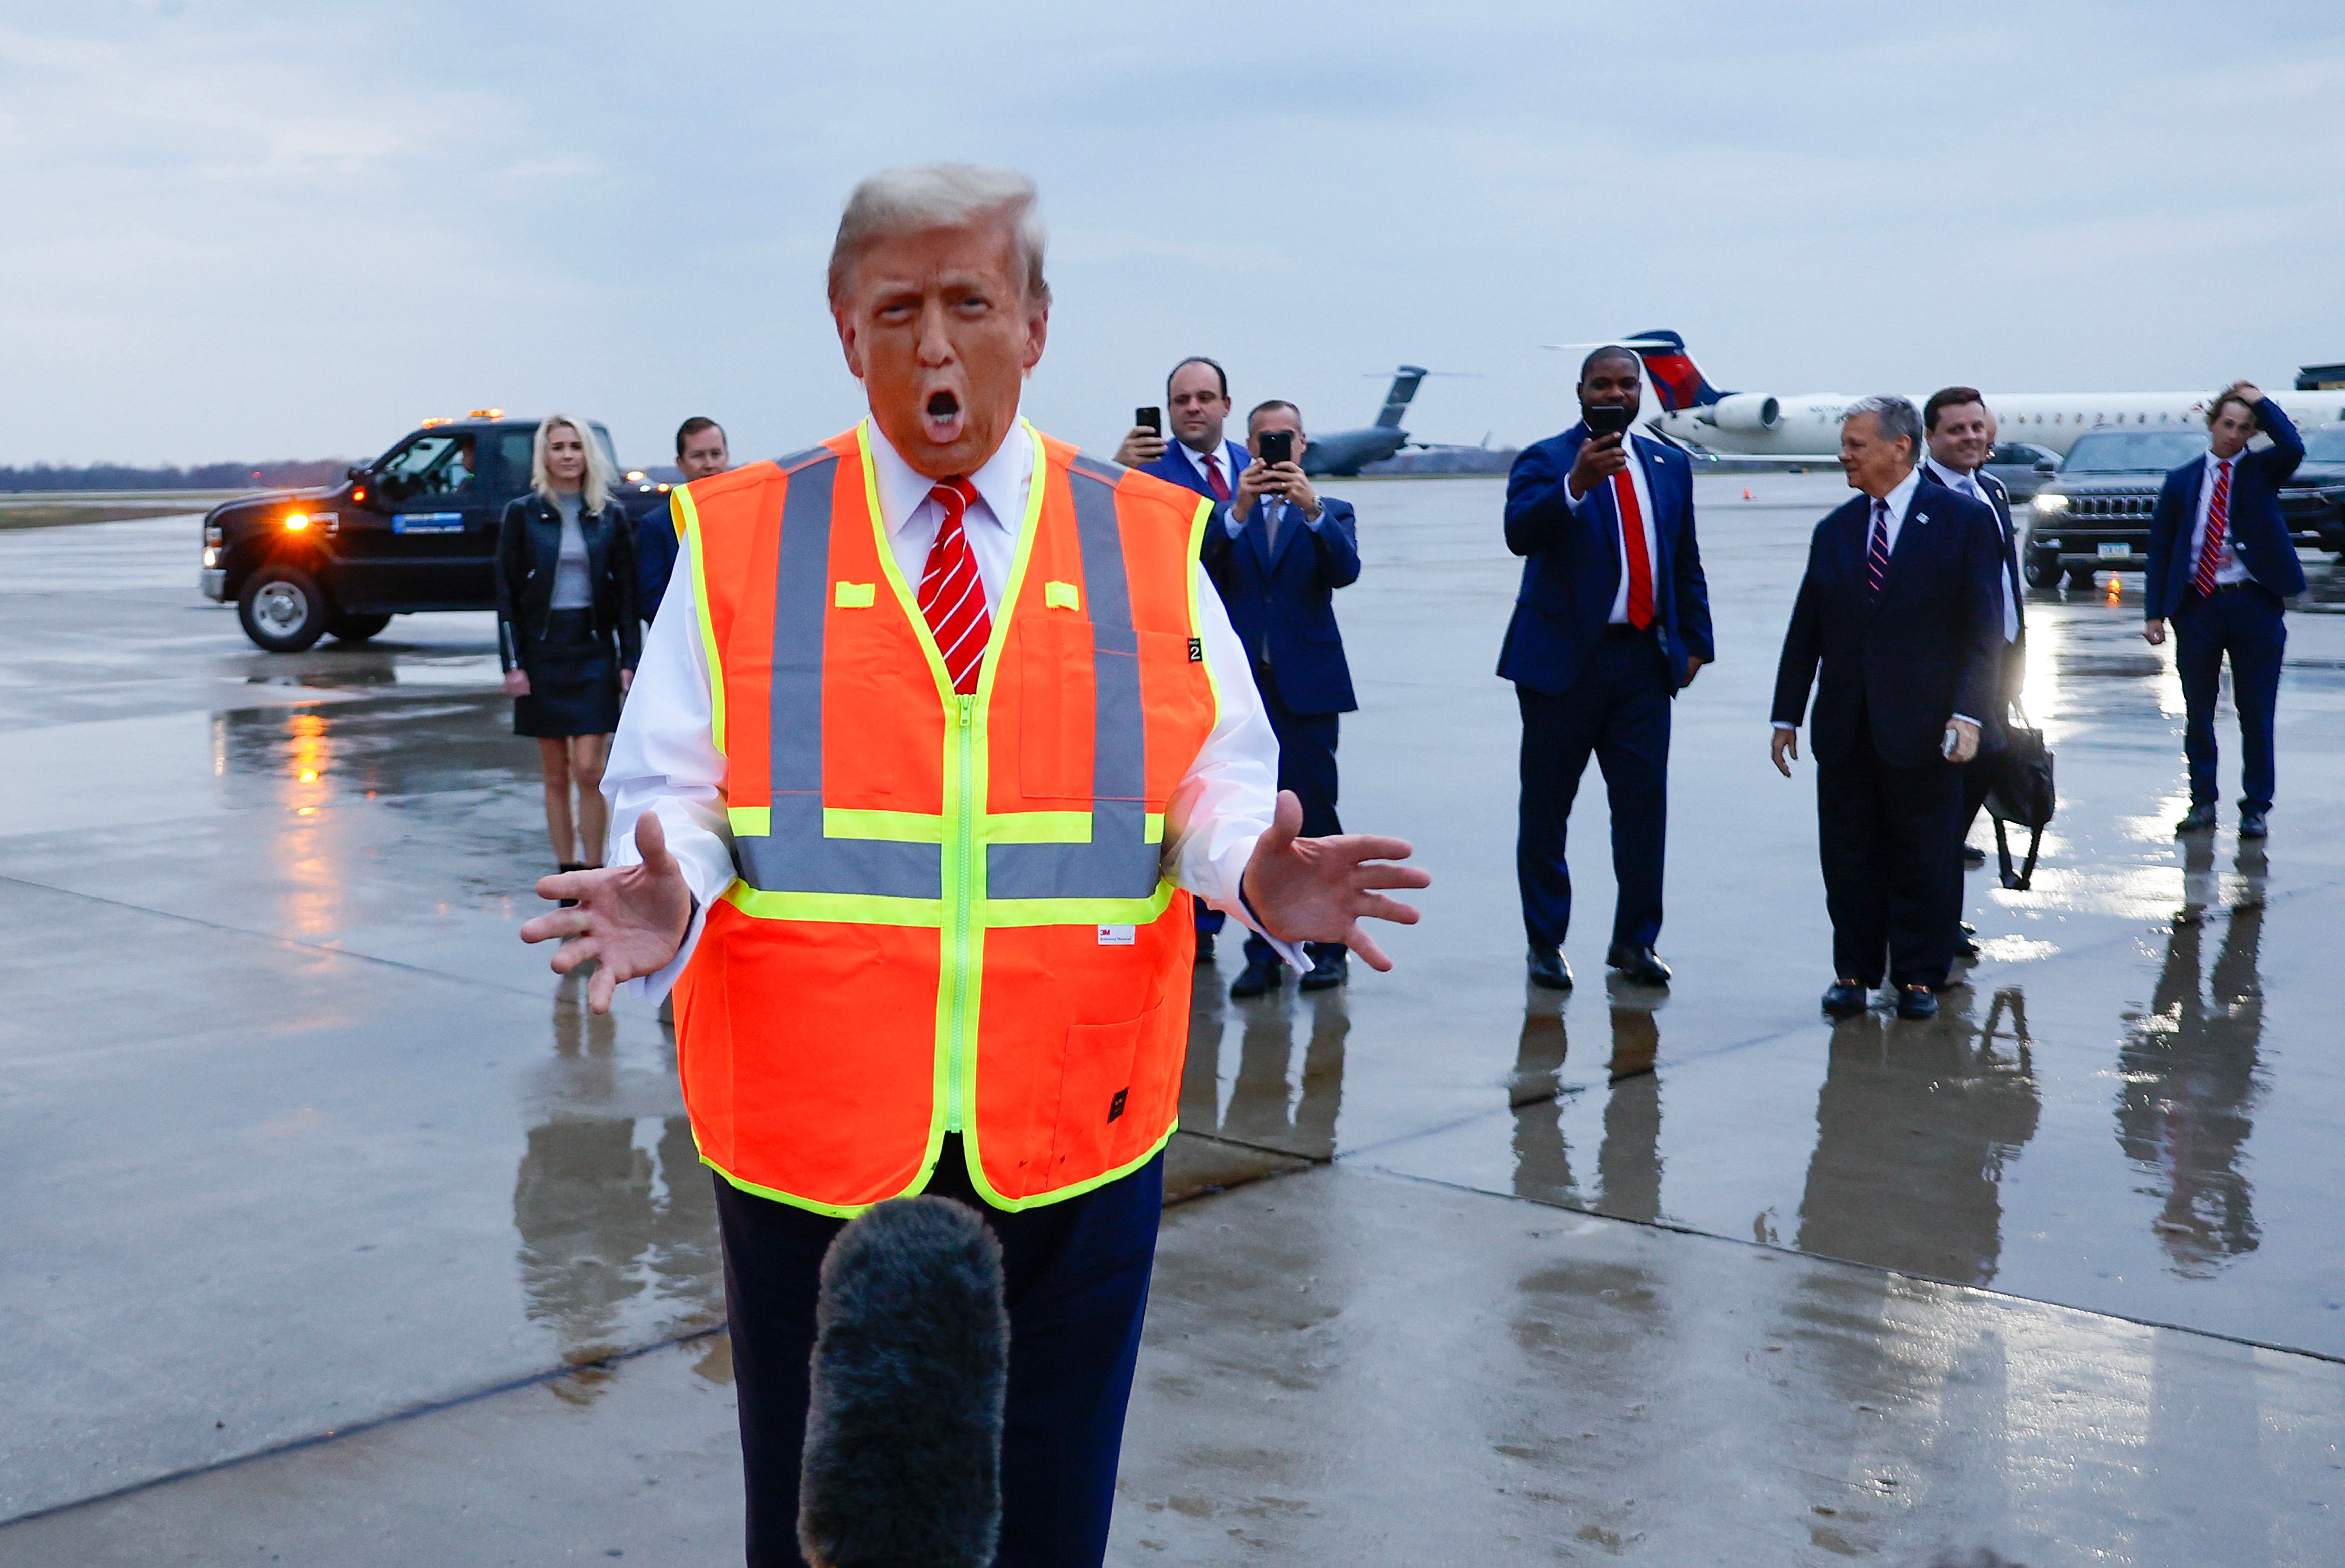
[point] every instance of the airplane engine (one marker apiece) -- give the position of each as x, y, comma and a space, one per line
1750, 411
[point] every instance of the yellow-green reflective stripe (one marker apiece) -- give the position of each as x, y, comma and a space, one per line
750, 822
846, 909
1060, 1195
892, 826
1075, 912
1035, 827
687, 523
1196, 621
1156, 827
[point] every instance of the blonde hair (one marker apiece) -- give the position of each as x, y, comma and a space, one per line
940, 196
595, 484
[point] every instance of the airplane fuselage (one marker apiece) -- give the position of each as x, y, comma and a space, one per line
1756, 425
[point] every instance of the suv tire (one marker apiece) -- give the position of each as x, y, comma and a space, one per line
2043, 569
349, 628
2080, 579
282, 609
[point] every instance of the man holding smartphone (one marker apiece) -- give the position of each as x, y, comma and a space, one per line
1278, 550
1612, 621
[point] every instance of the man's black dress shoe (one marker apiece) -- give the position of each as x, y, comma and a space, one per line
1260, 974
1641, 964
2197, 820
1916, 1002
1549, 969
1965, 945
1973, 858
1330, 967
2251, 822
1204, 947
1846, 998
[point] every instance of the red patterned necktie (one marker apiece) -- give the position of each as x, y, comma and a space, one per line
1214, 476
1632, 541
2219, 523
952, 595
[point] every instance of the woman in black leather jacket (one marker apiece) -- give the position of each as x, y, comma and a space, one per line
567, 629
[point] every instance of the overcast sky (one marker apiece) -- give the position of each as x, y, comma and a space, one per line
241, 230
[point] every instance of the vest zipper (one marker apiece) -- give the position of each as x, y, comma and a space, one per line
956, 1039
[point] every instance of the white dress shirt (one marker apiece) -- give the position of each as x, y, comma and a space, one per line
1969, 486
2229, 567
1204, 476
664, 760
1619, 616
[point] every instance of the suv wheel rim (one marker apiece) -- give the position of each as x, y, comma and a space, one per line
280, 609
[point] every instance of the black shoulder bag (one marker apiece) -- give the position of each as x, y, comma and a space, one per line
2022, 794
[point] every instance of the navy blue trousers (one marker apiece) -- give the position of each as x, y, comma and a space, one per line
1076, 1276
1619, 709
1306, 765
1890, 842
2249, 625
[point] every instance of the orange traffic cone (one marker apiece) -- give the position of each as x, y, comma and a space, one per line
1746, 493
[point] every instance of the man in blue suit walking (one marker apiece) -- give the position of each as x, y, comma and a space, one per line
1278, 550
1611, 622
2220, 561
1199, 458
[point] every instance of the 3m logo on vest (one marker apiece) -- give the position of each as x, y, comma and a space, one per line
1118, 935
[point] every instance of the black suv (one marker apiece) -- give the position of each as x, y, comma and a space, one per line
416, 529
2312, 502
2094, 514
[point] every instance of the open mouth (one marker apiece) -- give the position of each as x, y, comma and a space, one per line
942, 418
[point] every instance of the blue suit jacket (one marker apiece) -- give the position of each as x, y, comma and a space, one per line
656, 548
1287, 601
2014, 652
2258, 538
1930, 646
1175, 467
1572, 567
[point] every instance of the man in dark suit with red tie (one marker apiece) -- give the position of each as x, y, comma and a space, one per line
1199, 457
1611, 621
2220, 561
1899, 630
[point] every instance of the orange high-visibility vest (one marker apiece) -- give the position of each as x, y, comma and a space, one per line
948, 912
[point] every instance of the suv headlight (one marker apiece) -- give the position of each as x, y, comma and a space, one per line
211, 556
2050, 505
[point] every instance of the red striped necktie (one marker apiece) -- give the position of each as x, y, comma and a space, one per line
952, 595
1214, 476
2219, 523
1876, 554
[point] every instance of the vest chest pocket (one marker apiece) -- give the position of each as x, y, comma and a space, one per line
1055, 719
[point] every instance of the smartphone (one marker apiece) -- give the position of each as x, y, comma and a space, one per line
1608, 421
1151, 420
1277, 446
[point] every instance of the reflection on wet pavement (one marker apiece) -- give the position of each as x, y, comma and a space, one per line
1266, 1097
2190, 1075
1627, 1158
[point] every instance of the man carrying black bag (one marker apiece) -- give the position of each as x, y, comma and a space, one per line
1960, 432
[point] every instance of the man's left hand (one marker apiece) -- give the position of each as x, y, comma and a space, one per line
1299, 494
1966, 741
1319, 890
627, 680
1693, 668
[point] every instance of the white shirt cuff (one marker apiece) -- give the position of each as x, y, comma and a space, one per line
1780, 724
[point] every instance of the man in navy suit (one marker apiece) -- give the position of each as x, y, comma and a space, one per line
1960, 430
1611, 621
1898, 613
1278, 550
1199, 458
699, 453
2220, 561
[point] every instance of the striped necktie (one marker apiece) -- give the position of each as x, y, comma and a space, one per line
2219, 523
952, 595
1876, 556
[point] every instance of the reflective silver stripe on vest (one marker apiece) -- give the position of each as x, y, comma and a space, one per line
795, 858
1118, 862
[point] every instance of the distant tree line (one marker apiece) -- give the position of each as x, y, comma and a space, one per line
287, 473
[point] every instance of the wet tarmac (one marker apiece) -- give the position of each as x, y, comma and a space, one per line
299, 1140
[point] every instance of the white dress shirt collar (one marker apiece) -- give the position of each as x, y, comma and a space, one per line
1000, 483
1197, 461
1900, 501
1953, 479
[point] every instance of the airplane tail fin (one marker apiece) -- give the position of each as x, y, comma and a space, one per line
1678, 382
1404, 388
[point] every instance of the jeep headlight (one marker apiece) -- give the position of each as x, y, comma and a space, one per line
2051, 506
211, 556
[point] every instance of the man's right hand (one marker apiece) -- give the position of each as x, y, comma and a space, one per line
1599, 459
2153, 632
1255, 480
516, 683
631, 918
1141, 447
1786, 744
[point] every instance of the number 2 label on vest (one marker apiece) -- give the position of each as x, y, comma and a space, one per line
1116, 936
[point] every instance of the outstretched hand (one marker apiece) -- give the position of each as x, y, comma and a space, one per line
633, 919
1319, 890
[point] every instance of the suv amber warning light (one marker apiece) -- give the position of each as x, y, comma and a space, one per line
485, 413
443, 418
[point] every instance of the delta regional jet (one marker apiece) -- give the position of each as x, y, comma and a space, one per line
1697, 415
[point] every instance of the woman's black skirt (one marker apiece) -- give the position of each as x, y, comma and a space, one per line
573, 680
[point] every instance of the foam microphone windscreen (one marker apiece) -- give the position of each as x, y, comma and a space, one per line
903, 1444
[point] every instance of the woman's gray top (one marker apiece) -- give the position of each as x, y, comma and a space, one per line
573, 589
